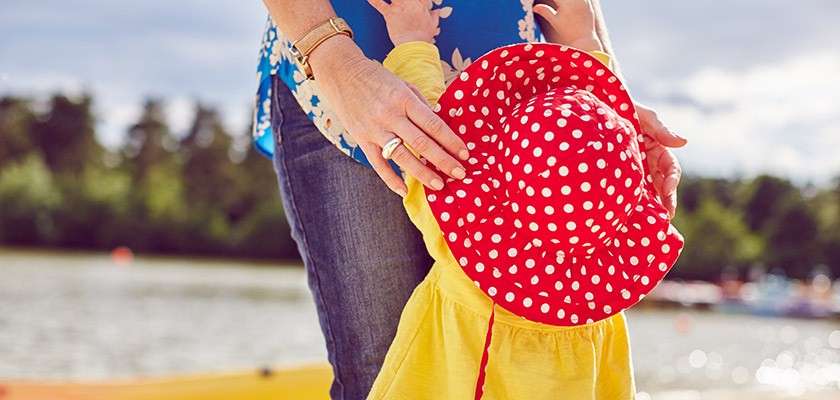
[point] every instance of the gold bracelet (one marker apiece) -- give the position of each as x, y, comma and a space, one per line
304, 46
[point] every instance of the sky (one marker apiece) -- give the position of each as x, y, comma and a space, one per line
753, 84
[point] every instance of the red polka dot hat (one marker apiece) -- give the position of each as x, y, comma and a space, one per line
557, 220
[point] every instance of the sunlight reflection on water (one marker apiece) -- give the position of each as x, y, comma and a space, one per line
81, 317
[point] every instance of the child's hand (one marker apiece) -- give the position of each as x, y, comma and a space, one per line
409, 20
574, 21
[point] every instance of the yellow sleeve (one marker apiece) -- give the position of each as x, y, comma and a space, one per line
418, 63
604, 58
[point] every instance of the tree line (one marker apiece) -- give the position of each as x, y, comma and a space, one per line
208, 192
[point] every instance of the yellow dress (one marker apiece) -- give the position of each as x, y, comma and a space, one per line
439, 344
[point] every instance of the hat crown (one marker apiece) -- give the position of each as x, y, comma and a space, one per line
569, 164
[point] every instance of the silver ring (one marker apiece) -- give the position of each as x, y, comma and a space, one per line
389, 147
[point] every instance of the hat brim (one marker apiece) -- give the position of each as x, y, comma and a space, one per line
580, 288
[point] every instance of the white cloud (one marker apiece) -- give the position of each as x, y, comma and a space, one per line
781, 118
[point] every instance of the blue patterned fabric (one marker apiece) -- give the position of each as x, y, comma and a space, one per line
469, 29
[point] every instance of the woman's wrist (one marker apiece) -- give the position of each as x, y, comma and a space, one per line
587, 43
334, 54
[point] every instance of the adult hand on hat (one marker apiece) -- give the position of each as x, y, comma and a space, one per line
663, 165
374, 106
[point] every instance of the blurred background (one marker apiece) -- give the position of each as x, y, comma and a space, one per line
141, 234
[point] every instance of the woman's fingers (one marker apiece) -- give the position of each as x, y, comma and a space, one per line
379, 5
426, 147
383, 169
422, 116
669, 170
653, 127
546, 11
416, 91
414, 167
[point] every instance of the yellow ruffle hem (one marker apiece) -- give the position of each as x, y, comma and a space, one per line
437, 351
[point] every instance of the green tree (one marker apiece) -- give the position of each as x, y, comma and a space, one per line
768, 199
206, 151
792, 241
29, 197
715, 238
149, 141
16, 119
65, 134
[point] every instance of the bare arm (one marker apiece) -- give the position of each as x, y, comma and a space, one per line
372, 104
603, 35
552, 34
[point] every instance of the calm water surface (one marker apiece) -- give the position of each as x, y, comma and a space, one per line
83, 317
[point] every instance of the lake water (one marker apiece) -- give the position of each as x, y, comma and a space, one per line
80, 316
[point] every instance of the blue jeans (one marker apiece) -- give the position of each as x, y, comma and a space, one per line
363, 256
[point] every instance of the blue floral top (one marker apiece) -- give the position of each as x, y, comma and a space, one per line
469, 28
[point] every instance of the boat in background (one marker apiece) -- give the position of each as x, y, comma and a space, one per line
763, 294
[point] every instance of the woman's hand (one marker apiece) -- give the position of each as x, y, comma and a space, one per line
573, 23
663, 165
409, 20
374, 106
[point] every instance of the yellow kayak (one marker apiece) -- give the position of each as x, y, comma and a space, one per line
303, 383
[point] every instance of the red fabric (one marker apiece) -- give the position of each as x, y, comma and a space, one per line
557, 220
485, 356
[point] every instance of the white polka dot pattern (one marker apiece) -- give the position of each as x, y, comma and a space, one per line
556, 220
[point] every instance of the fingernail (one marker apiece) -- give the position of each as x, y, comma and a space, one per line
401, 192
678, 136
459, 173
464, 155
437, 184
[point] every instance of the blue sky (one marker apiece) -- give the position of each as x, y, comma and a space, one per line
751, 83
